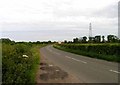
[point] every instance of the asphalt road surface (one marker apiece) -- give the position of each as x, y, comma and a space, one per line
87, 70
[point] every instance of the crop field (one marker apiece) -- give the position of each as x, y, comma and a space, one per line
19, 63
105, 51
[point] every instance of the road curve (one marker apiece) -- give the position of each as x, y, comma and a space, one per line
87, 70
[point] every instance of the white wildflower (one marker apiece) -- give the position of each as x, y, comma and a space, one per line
25, 56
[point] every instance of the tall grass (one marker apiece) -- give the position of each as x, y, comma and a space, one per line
36, 58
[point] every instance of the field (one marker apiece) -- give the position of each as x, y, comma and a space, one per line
105, 51
20, 62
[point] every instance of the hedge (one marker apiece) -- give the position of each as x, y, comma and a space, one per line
102, 51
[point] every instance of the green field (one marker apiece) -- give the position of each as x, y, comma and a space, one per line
105, 51
20, 62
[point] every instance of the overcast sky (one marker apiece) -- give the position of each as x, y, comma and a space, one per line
32, 20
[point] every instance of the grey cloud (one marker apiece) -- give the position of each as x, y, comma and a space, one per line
59, 22
108, 12
44, 35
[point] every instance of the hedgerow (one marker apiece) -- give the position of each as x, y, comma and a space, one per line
14, 65
19, 63
108, 52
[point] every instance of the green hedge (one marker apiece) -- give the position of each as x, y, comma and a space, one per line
17, 69
108, 52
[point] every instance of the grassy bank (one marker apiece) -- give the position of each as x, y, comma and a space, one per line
19, 63
109, 52
36, 62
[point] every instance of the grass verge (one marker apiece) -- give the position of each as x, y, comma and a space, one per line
36, 58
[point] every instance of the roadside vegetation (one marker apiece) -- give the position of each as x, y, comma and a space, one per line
94, 47
20, 61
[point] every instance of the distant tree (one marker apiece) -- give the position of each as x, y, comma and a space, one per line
38, 42
75, 40
65, 41
84, 39
49, 42
7, 40
103, 39
69, 41
112, 38
97, 39
109, 38
91, 39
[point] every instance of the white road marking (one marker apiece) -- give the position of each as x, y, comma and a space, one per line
114, 71
67, 57
53, 52
56, 53
76, 59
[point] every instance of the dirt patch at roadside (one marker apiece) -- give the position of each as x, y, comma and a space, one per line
50, 73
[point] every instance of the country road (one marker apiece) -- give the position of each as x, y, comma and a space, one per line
87, 70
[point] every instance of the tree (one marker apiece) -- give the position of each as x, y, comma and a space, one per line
103, 38
7, 41
69, 42
49, 42
91, 39
84, 39
109, 38
75, 40
112, 38
38, 42
97, 39
65, 41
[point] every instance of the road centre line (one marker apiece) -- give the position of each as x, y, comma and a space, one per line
76, 59
53, 52
56, 53
67, 57
114, 71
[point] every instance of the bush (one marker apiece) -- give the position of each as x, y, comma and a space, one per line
15, 67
